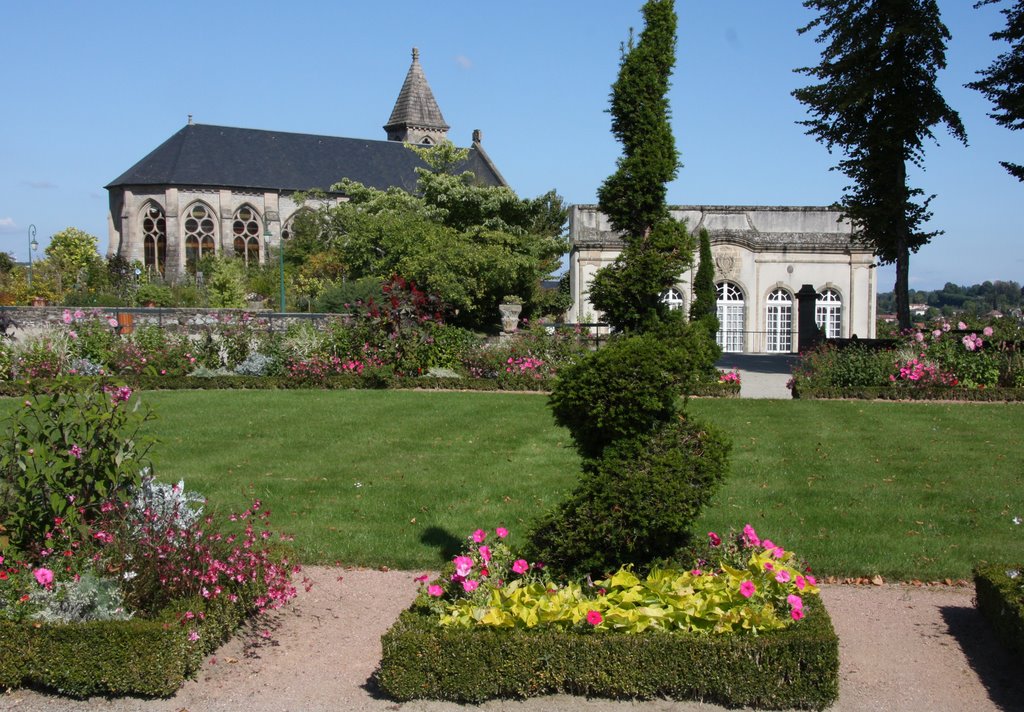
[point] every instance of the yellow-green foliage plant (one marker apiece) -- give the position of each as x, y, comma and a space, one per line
744, 627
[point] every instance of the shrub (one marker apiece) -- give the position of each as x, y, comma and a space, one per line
636, 502
622, 390
256, 364
65, 454
1000, 594
853, 366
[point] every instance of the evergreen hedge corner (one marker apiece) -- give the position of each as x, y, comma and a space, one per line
1001, 602
145, 658
797, 667
917, 393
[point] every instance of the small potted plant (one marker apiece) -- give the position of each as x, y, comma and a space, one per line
511, 307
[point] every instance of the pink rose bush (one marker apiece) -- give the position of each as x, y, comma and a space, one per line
746, 585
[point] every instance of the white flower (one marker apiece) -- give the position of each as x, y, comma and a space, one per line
359, 484
1016, 520
1013, 573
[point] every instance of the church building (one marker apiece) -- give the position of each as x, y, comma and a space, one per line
230, 191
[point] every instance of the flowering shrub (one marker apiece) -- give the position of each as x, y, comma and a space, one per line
318, 369
729, 377
750, 587
919, 371
66, 454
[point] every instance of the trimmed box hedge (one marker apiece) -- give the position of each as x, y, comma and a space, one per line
1001, 602
793, 668
937, 393
150, 658
338, 382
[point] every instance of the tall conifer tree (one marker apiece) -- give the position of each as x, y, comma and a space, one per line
657, 248
705, 298
1002, 82
878, 101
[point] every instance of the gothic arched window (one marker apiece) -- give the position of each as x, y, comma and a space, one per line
247, 230
200, 230
154, 238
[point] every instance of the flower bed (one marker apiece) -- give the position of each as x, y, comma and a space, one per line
1000, 593
111, 582
982, 363
747, 629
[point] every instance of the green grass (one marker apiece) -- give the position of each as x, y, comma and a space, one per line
905, 490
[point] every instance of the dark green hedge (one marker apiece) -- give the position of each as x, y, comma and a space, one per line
340, 382
149, 658
794, 668
915, 393
1001, 602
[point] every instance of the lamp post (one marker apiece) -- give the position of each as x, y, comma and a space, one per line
33, 245
267, 234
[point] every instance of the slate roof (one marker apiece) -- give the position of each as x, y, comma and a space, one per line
227, 157
416, 105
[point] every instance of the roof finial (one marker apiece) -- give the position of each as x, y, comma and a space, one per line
415, 54
190, 119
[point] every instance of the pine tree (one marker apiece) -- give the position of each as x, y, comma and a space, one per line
1002, 82
878, 101
657, 249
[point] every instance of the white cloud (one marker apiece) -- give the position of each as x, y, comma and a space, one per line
7, 225
463, 61
40, 184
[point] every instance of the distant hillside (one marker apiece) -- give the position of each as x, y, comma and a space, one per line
952, 299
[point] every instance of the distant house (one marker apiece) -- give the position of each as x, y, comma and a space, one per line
220, 190
918, 309
763, 256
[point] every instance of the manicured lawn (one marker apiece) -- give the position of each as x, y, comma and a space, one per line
396, 478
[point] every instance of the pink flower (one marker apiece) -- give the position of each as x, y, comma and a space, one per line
520, 566
696, 572
485, 553
800, 582
797, 613
435, 590
987, 331
747, 588
937, 333
43, 576
795, 601
421, 579
463, 565
919, 337
811, 580
469, 585
502, 532
594, 618
112, 322
960, 325
75, 452
79, 313
778, 553
479, 535
767, 544
715, 539
782, 576
750, 536
67, 316
768, 566
193, 635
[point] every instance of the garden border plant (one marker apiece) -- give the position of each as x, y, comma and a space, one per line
999, 589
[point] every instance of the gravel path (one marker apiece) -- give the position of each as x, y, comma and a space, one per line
901, 648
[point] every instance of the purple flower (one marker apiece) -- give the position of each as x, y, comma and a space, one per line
75, 452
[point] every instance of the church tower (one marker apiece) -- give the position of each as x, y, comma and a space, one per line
416, 117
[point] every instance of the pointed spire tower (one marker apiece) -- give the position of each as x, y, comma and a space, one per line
416, 117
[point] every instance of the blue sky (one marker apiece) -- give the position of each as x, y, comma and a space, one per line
90, 88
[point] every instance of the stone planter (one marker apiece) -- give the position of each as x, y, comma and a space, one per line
510, 317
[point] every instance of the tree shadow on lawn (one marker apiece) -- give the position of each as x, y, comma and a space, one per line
447, 544
992, 663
